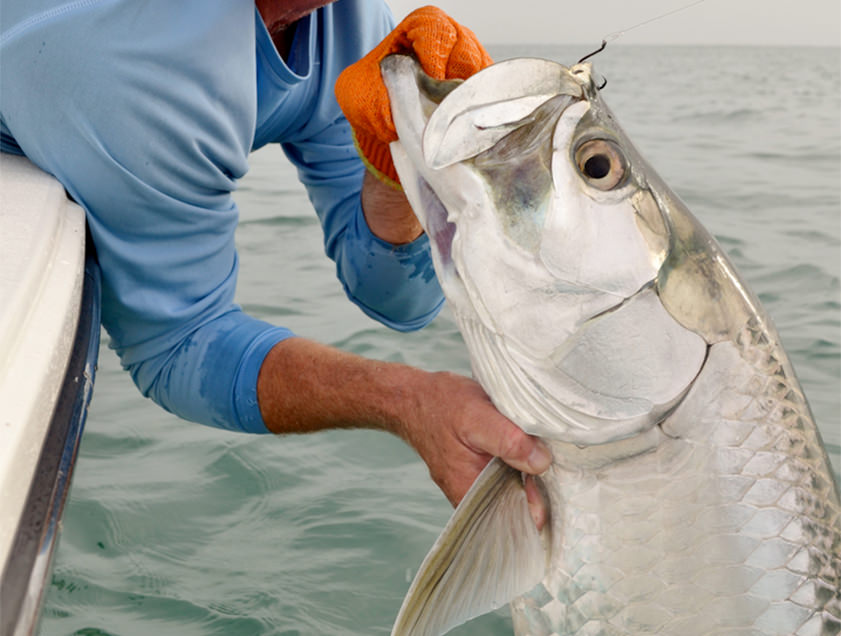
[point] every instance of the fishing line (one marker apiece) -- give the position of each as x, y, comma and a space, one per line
610, 37
615, 35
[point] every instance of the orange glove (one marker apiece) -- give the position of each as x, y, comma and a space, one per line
445, 50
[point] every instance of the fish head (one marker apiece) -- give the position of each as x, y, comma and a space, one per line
580, 283
522, 156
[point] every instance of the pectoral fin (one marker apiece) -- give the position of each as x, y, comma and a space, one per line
489, 553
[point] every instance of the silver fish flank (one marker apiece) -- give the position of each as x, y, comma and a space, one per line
690, 492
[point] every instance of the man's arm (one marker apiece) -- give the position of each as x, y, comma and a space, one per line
388, 213
304, 387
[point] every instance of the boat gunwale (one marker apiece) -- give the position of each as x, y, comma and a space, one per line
23, 580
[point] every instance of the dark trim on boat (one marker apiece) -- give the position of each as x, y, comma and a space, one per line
27, 572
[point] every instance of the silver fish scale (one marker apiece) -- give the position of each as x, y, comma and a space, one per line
730, 530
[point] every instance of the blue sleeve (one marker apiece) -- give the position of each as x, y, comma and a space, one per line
395, 285
146, 113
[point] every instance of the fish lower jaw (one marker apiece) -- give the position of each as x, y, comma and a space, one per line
582, 429
591, 456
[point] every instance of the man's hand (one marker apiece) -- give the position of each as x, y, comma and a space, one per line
444, 49
456, 430
304, 386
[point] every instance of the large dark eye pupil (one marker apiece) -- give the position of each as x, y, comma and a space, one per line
601, 163
597, 166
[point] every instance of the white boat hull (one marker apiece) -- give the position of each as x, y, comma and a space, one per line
47, 358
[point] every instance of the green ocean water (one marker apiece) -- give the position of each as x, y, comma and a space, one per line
177, 529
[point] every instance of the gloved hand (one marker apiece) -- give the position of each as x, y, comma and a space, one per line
444, 49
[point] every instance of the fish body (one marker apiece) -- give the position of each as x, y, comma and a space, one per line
689, 492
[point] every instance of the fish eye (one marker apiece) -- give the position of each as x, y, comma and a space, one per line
601, 163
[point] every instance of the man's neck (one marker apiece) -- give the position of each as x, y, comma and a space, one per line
280, 23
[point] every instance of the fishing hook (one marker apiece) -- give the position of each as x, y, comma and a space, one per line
598, 50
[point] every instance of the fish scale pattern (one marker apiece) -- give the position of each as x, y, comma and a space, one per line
732, 528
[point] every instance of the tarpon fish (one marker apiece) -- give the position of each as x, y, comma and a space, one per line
690, 493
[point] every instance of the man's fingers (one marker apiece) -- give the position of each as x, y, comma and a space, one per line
537, 504
539, 458
531, 456
517, 449
459, 430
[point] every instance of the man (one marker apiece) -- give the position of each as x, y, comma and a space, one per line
147, 111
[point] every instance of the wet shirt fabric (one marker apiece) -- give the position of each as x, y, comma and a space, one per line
146, 112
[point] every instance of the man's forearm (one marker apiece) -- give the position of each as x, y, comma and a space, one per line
448, 419
388, 213
304, 386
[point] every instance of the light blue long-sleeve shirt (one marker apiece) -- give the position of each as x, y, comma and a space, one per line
146, 112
